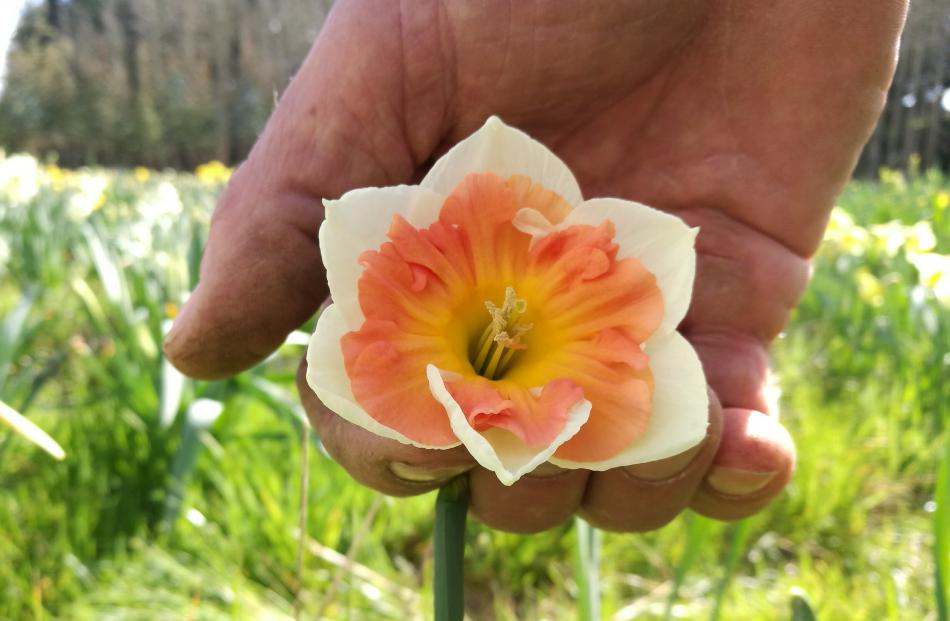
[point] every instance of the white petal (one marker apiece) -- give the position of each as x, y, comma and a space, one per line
680, 406
662, 242
359, 221
505, 151
326, 375
497, 449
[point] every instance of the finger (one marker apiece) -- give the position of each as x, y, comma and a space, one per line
756, 456
755, 461
380, 463
647, 496
339, 125
746, 285
546, 498
736, 368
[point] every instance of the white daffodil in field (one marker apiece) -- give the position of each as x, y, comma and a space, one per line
934, 272
493, 306
88, 195
4, 255
160, 206
20, 177
894, 236
24, 427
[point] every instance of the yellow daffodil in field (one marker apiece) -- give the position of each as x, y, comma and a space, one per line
893, 178
213, 173
942, 201
845, 234
493, 306
870, 288
57, 177
141, 174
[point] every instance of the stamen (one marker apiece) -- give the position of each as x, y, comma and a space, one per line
501, 338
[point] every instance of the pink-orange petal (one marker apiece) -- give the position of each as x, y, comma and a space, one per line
621, 401
483, 406
588, 290
481, 208
386, 368
535, 419
598, 310
411, 291
530, 195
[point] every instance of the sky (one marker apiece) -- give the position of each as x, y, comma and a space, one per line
9, 16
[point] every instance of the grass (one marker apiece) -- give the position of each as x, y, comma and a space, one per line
942, 536
180, 499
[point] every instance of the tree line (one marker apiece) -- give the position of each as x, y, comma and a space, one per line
173, 83
915, 125
150, 82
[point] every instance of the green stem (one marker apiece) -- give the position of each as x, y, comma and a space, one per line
801, 609
941, 544
587, 570
740, 538
451, 509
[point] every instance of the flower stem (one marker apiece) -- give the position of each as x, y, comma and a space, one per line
451, 509
587, 570
941, 546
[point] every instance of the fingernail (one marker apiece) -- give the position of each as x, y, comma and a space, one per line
738, 482
180, 319
171, 336
416, 474
175, 330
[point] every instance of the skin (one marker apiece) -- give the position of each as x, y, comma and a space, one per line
742, 117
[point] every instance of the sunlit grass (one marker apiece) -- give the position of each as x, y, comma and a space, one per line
163, 511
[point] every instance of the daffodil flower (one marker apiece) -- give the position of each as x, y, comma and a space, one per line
492, 306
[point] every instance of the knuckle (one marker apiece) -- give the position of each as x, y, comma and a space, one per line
631, 518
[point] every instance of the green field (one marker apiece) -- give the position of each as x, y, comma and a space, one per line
180, 499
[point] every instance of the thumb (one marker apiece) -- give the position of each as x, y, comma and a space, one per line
341, 124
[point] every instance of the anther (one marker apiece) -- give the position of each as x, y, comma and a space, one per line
502, 336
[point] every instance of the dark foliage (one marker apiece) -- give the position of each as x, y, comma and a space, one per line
161, 83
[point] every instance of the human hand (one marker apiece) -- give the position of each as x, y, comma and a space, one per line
742, 118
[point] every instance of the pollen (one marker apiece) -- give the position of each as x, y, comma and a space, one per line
501, 339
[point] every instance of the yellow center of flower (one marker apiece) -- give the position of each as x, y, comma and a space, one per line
501, 339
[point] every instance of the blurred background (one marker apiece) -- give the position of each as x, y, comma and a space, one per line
120, 121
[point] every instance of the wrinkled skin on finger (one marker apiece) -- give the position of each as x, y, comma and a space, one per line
728, 114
